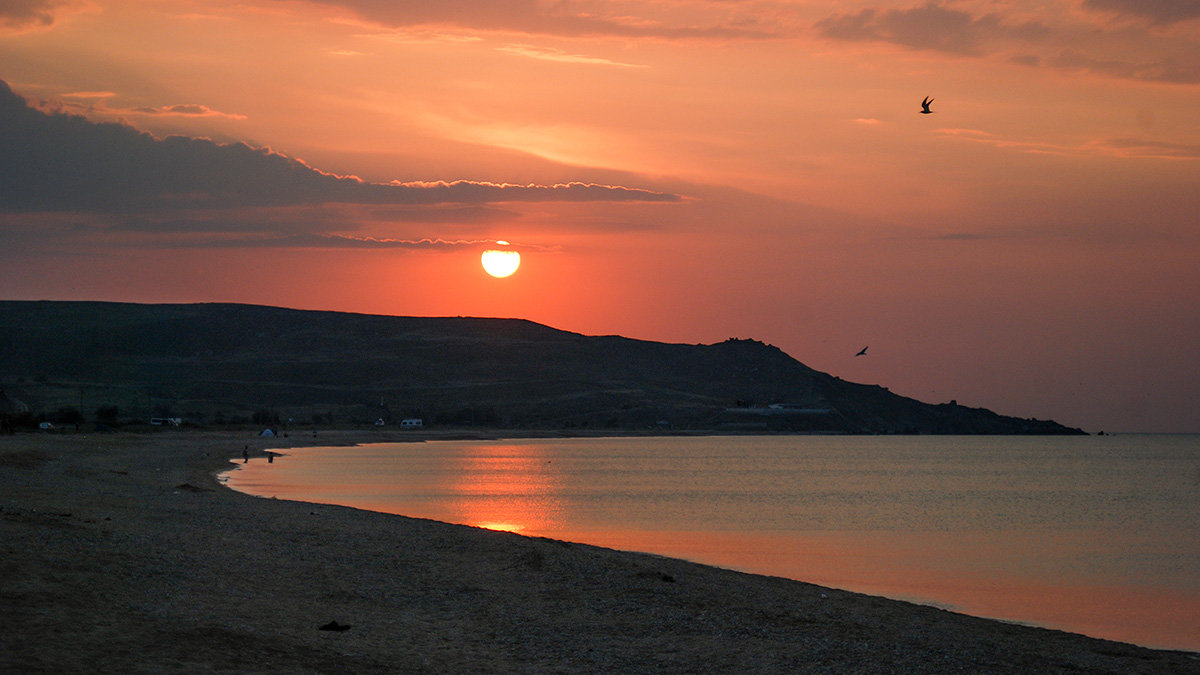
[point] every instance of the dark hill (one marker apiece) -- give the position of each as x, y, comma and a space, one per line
225, 363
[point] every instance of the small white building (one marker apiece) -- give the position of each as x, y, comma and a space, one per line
412, 423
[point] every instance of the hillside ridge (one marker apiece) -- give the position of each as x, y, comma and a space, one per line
223, 363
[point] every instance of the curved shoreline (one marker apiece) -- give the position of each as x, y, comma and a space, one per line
123, 552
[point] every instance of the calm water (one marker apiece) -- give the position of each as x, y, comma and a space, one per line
1099, 535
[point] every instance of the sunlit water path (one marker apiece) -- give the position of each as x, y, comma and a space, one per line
1098, 535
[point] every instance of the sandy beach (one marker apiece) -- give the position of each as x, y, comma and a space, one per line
124, 553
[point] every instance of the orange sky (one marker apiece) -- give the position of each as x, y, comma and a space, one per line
678, 170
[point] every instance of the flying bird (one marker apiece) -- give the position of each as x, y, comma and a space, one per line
925, 106
863, 351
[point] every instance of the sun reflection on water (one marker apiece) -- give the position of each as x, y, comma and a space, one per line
509, 487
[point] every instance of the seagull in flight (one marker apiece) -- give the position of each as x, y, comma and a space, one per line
863, 351
925, 106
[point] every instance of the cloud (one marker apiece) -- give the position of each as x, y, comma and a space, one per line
481, 192
89, 94
69, 184
534, 17
1063, 41
183, 110
98, 107
1158, 11
929, 26
343, 241
557, 55
306, 218
1176, 68
21, 15
1142, 148
61, 162
1112, 147
1032, 147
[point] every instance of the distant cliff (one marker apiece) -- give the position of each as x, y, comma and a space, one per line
226, 363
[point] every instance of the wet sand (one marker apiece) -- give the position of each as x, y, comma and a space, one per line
123, 553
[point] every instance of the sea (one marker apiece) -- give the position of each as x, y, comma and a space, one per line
1097, 535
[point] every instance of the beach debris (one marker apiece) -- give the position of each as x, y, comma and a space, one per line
188, 487
335, 626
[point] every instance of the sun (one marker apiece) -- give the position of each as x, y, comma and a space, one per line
500, 263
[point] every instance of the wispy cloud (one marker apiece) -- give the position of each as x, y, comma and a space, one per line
182, 110
89, 94
560, 19
1112, 147
419, 36
1147, 149
476, 192
557, 55
95, 103
340, 241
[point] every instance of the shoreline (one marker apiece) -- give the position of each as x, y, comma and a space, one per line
125, 552
983, 574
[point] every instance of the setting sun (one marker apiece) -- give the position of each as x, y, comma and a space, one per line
500, 263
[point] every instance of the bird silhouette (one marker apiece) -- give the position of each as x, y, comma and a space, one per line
925, 106
863, 351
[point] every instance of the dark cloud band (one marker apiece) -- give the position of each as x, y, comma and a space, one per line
60, 162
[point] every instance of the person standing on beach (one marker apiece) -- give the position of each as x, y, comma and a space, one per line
245, 454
